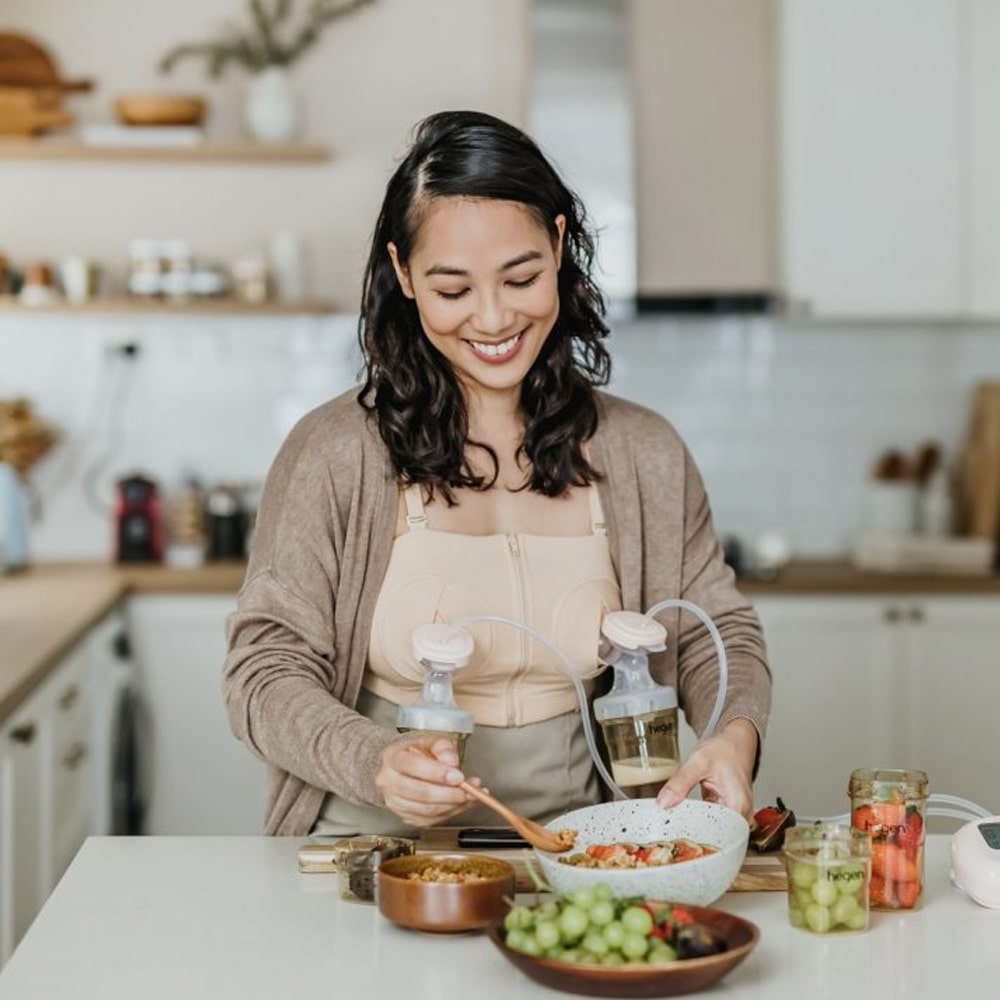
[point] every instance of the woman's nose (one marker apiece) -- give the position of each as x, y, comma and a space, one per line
492, 317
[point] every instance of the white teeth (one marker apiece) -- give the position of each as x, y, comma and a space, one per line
492, 350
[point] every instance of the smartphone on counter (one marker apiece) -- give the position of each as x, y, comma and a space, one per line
490, 837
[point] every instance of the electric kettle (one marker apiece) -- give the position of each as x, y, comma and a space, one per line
14, 519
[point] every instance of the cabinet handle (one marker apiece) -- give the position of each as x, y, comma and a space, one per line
915, 614
75, 756
892, 615
68, 698
23, 734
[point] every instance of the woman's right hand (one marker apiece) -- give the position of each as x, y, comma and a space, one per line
422, 790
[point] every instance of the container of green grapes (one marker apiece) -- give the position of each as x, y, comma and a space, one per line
829, 868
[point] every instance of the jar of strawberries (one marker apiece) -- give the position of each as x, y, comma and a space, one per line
891, 805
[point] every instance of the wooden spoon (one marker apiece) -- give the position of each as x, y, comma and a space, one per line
534, 833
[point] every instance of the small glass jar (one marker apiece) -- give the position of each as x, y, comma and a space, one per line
357, 860
890, 805
829, 867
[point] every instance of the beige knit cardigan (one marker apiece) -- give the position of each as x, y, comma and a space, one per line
298, 641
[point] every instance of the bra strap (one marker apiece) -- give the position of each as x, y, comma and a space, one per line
596, 512
416, 516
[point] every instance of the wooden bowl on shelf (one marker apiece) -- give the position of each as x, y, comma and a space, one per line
160, 109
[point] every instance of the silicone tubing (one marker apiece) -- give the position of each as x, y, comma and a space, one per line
948, 806
581, 694
720, 649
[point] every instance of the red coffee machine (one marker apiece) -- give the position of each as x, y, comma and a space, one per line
138, 521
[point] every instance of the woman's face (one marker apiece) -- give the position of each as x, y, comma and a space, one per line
484, 274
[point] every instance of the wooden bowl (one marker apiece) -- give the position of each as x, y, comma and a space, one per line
160, 109
687, 975
444, 907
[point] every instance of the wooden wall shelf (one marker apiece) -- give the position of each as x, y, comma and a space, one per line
207, 152
214, 307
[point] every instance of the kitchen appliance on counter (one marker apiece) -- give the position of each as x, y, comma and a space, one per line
225, 525
975, 860
138, 521
14, 519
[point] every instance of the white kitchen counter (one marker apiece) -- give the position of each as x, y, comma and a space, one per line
231, 917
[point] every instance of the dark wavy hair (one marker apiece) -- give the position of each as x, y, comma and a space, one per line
411, 388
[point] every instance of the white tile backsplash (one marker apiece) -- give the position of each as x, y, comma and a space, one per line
784, 420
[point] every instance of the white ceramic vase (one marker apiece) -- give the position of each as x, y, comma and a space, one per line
272, 108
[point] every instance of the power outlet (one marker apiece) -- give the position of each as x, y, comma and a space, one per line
127, 349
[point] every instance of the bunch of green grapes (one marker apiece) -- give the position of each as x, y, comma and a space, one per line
589, 925
828, 897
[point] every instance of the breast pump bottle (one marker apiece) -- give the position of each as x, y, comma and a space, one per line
638, 716
442, 649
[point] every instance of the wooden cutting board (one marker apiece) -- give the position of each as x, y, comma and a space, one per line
759, 873
979, 471
25, 63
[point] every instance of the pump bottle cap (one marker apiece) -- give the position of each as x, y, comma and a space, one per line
436, 718
442, 646
632, 630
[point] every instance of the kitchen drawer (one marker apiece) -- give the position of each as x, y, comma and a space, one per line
70, 763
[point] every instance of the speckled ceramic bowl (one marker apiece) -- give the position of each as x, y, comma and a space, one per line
699, 882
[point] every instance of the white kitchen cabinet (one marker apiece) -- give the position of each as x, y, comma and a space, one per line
22, 883
832, 707
874, 151
202, 780
886, 681
49, 791
951, 693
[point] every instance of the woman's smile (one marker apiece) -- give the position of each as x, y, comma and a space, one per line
497, 352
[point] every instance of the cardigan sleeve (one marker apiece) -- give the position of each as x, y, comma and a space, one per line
709, 582
287, 682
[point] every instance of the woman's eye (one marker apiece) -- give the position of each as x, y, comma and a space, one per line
450, 295
527, 283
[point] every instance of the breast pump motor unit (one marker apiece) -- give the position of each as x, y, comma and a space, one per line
638, 716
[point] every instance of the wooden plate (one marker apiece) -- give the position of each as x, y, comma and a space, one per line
687, 975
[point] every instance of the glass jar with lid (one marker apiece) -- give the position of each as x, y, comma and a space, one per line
829, 868
357, 860
890, 805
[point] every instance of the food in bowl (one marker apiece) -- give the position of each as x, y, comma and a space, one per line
441, 873
444, 892
627, 855
699, 881
622, 948
590, 925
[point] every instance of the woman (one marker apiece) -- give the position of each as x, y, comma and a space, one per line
478, 470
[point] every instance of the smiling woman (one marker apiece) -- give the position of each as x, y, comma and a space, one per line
478, 471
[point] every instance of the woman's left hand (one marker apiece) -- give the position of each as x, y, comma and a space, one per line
722, 765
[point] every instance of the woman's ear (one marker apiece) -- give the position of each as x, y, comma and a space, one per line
560, 223
402, 272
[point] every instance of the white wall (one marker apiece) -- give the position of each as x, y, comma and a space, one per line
785, 421
371, 77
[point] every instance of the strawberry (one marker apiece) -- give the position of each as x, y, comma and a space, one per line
907, 893
880, 892
769, 825
913, 834
890, 862
863, 818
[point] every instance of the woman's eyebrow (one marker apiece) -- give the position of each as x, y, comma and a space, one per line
460, 272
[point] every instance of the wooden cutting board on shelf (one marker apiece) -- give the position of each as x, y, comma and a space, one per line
25, 63
979, 467
759, 873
